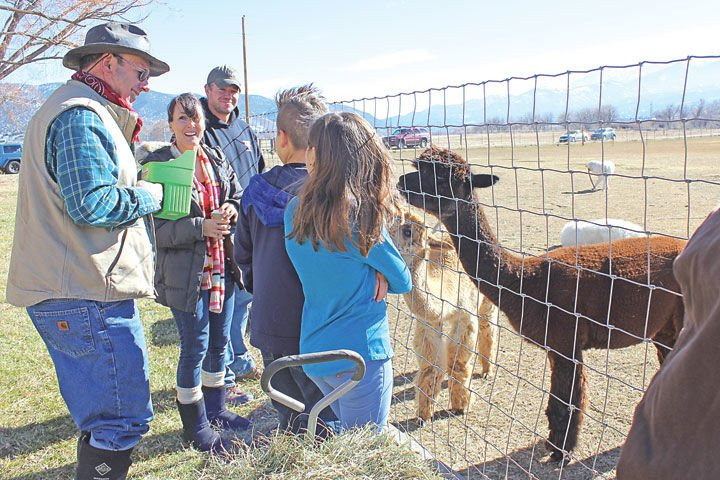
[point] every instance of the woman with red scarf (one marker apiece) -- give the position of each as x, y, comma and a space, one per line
192, 279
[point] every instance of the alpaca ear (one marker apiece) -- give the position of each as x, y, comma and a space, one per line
481, 180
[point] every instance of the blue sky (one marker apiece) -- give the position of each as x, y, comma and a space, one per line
355, 49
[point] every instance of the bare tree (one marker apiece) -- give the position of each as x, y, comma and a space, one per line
38, 30
697, 112
592, 115
669, 113
158, 131
585, 116
17, 104
609, 114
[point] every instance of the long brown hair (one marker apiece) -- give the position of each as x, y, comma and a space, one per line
350, 193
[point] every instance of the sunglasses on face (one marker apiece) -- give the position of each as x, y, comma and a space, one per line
143, 73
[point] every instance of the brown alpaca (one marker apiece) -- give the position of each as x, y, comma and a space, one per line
447, 331
565, 302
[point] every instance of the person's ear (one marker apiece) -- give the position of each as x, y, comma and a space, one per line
283, 138
107, 62
207, 90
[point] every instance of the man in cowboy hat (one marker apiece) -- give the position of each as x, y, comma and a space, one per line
82, 252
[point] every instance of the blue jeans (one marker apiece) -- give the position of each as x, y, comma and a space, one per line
203, 338
100, 358
237, 358
294, 383
368, 402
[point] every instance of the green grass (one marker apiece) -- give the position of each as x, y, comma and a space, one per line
37, 436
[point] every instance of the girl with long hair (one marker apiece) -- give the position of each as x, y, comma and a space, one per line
347, 262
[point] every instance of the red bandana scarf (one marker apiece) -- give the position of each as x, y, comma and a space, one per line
213, 276
103, 89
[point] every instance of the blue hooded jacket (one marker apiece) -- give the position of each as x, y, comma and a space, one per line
260, 252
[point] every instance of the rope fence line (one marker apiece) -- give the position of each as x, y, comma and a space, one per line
658, 169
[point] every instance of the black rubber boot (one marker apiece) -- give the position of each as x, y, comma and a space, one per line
197, 429
218, 414
98, 464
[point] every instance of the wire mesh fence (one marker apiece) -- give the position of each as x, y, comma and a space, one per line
512, 347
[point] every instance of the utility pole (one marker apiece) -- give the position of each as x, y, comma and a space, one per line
247, 98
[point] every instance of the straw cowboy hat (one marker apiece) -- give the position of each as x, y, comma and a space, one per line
114, 37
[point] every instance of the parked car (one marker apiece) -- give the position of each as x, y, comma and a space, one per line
10, 154
606, 133
573, 136
408, 137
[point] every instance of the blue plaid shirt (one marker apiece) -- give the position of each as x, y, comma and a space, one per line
81, 157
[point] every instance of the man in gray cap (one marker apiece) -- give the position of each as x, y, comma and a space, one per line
225, 128
82, 252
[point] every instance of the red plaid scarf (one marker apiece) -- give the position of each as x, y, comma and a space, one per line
102, 88
213, 276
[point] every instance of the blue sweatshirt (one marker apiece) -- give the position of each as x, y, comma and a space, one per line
339, 309
260, 253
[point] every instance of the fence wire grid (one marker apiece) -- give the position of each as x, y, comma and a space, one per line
590, 156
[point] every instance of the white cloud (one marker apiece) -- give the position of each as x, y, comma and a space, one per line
391, 60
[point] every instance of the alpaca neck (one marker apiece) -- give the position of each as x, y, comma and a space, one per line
481, 256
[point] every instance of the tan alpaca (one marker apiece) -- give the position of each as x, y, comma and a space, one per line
452, 319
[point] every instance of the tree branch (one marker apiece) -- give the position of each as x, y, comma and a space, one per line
33, 27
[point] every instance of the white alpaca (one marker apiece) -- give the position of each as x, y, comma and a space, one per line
600, 171
599, 231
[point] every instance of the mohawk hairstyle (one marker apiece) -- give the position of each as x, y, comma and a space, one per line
298, 108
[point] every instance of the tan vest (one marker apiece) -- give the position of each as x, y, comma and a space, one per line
52, 257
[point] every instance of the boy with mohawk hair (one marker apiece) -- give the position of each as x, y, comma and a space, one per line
260, 252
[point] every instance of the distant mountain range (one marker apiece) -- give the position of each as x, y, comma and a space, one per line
17, 107
626, 90
659, 86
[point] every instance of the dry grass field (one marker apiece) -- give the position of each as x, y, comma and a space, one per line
664, 186
38, 438
668, 184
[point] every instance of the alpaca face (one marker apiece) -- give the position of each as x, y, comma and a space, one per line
411, 238
442, 178
431, 188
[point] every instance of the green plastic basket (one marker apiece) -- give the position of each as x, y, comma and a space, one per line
176, 177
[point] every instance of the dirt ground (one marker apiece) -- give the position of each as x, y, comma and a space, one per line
667, 184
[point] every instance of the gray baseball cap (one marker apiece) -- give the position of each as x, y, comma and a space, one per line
223, 76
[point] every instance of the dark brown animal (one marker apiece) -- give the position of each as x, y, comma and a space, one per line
570, 300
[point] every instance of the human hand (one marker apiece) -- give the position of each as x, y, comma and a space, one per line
216, 228
230, 212
156, 189
381, 287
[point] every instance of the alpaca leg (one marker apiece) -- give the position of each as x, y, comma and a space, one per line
486, 335
460, 350
568, 392
592, 181
429, 351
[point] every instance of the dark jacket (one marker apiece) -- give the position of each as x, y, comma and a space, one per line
676, 427
267, 270
237, 141
180, 243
